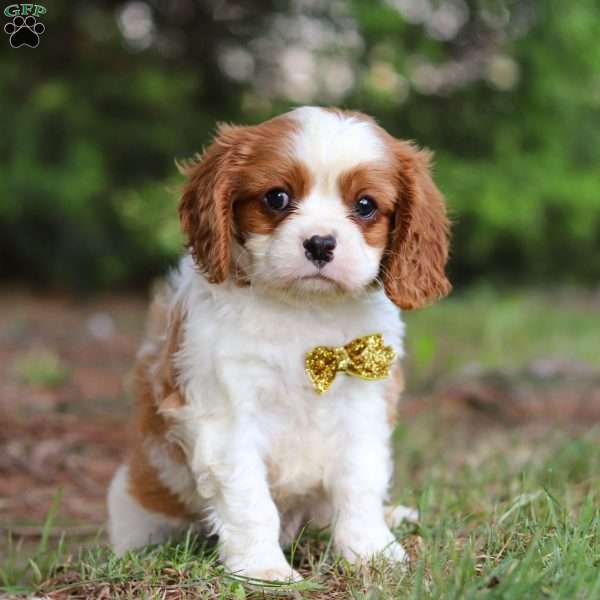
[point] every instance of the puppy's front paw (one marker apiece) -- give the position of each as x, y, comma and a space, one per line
394, 552
362, 548
275, 574
273, 570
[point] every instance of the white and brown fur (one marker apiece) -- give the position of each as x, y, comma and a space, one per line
230, 434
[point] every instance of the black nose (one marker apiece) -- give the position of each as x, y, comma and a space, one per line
319, 249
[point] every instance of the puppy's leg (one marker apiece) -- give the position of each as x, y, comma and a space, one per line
358, 481
130, 525
243, 513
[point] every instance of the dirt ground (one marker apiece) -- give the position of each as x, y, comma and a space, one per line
64, 368
65, 396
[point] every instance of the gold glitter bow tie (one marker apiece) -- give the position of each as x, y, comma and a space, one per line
365, 357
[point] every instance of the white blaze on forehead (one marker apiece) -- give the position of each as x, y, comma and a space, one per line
329, 143
323, 215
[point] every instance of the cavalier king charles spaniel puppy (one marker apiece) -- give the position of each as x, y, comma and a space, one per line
267, 382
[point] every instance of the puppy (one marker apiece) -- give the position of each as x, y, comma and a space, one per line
266, 385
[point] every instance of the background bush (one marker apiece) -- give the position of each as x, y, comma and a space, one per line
506, 92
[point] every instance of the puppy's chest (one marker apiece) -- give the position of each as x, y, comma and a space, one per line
259, 358
248, 366
280, 340
299, 430
294, 422
299, 434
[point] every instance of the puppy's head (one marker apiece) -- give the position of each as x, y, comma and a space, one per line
318, 201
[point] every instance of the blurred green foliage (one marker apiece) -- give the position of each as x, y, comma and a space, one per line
490, 331
506, 92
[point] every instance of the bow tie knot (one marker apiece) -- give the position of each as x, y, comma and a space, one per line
366, 357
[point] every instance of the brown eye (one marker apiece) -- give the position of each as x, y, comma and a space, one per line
277, 199
365, 207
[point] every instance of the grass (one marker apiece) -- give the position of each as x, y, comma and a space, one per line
494, 524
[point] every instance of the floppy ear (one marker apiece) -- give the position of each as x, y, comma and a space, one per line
413, 264
205, 208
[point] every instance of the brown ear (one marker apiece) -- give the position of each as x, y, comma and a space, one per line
413, 264
205, 208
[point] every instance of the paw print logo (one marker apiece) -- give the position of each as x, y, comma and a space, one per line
24, 31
